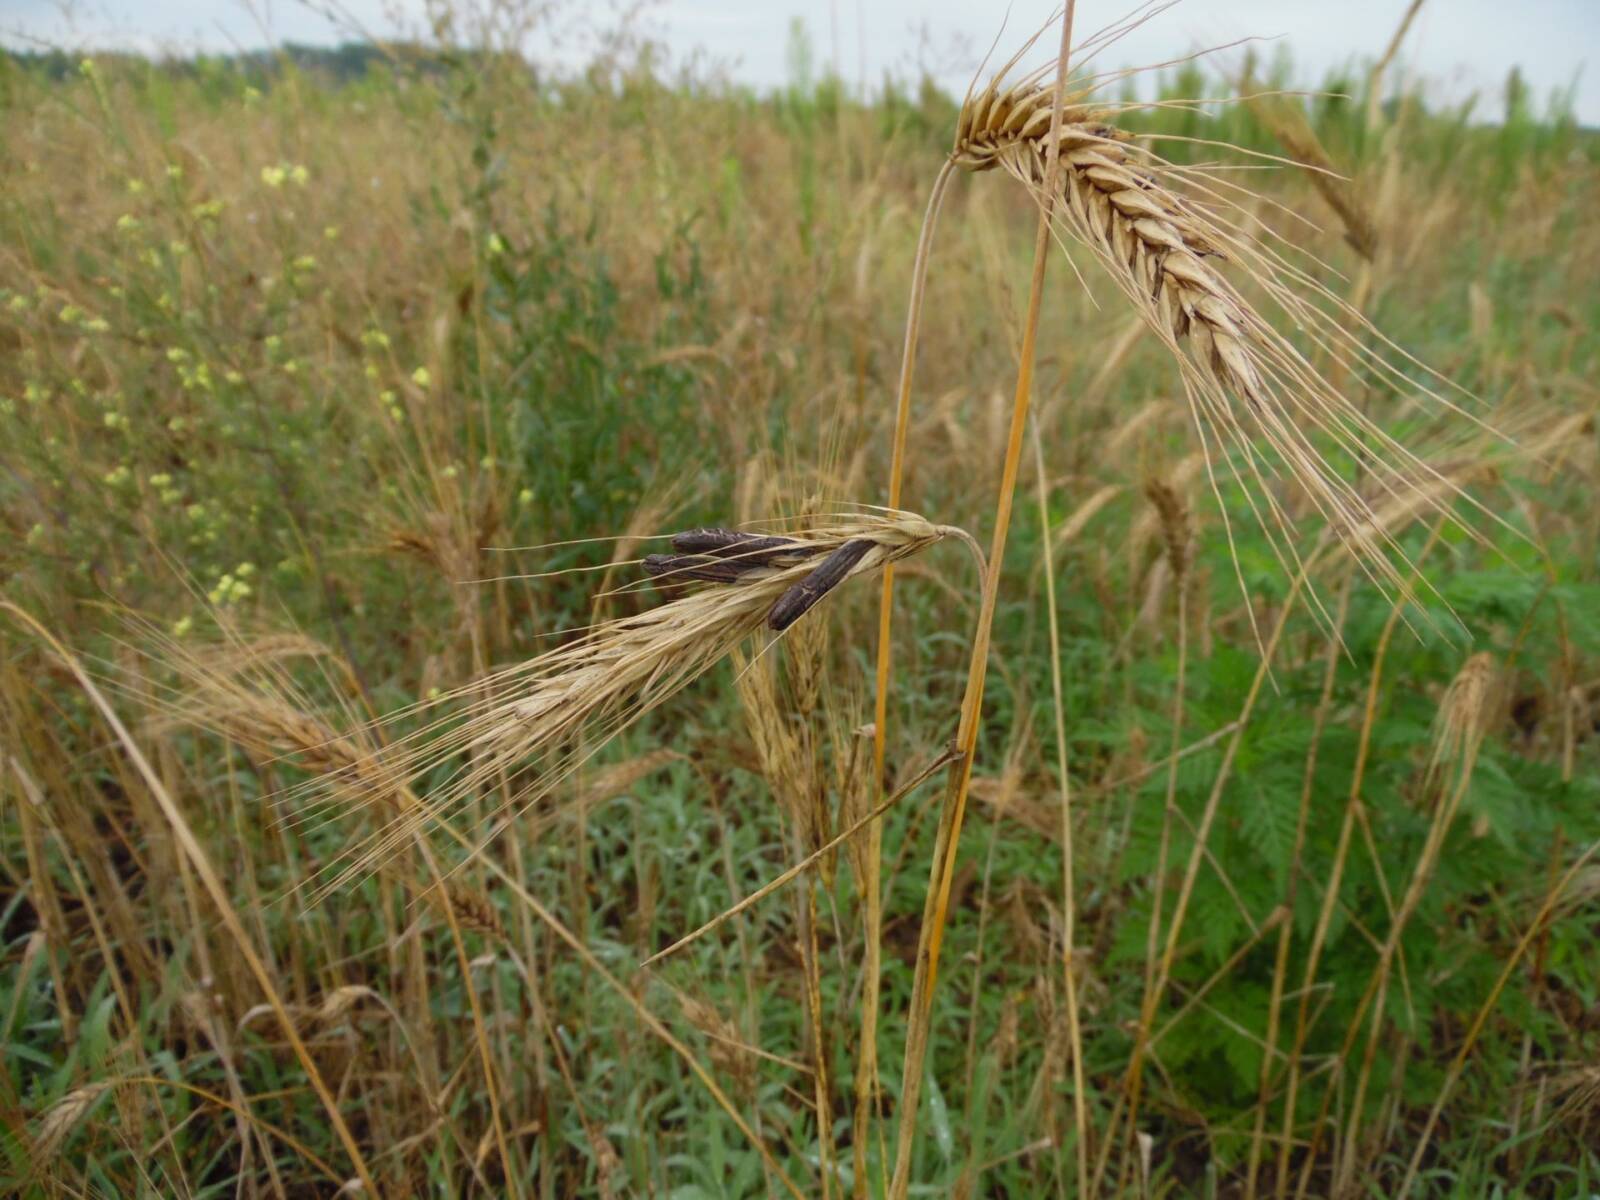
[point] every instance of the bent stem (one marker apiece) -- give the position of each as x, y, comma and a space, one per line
949, 832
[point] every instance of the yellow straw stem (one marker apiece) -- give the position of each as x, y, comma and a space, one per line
949, 834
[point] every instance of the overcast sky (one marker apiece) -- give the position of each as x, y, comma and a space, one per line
1458, 46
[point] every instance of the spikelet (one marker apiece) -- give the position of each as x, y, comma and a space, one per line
474, 910
60, 1119
1465, 714
1175, 529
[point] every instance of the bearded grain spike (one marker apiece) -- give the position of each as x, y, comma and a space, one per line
1140, 227
521, 722
1243, 378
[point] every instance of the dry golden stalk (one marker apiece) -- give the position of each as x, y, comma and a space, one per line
948, 833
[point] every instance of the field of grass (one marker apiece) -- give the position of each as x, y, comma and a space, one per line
321, 399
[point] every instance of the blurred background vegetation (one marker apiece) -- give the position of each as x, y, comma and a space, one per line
295, 346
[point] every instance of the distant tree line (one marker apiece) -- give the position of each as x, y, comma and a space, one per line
348, 62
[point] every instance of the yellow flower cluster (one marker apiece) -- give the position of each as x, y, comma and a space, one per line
232, 587
276, 175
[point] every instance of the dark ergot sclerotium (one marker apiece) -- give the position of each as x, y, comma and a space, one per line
750, 548
679, 568
798, 600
